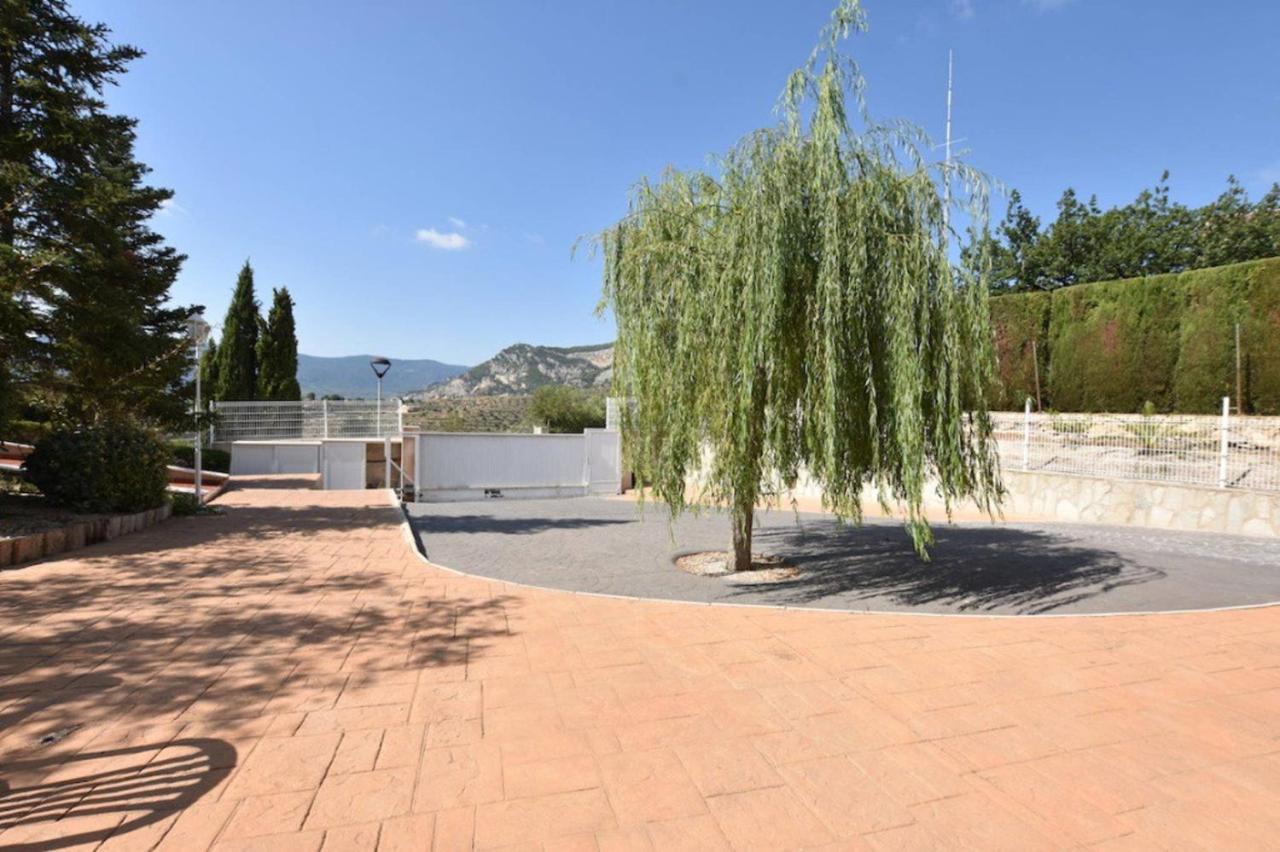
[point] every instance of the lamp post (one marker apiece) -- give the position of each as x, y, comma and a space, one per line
198, 331
380, 367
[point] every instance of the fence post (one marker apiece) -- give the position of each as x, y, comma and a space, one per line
400, 418
1026, 434
1223, 444
324, 406
386, 460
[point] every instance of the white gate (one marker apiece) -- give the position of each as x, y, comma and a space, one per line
344, 465
603, 461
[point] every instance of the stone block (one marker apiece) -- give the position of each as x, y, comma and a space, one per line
27, 548
77, 536
55, 541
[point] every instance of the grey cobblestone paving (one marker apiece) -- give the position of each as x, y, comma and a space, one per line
609, 546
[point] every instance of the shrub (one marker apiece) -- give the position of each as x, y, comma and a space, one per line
184, 504
566, 409
219, 461
108, 467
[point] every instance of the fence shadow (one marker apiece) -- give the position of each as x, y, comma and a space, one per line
101, 794
445, 524
972, 569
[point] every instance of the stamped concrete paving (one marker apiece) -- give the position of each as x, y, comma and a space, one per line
609, 546
292, 676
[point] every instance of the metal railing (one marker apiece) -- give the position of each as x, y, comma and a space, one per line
307, 419
1220, 451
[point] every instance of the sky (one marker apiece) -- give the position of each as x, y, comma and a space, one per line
418, 173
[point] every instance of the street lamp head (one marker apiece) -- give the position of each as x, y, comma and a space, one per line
380, 366
197, 329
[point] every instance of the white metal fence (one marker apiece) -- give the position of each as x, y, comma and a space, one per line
1223, 451
314, 419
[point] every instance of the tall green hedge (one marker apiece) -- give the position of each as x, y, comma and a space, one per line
1018, 321
1167, 339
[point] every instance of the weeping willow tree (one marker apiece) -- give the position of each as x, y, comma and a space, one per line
793, 310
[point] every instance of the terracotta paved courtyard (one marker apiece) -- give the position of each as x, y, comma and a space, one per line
292, 676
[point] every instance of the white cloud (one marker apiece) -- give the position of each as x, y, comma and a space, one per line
452, 241
457, 223
962, 9
536, 239
169, 207
1047, 5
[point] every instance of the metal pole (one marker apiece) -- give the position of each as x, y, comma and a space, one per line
379, 405
1223, 443
198, 430
400, 419
386, 461
1035, 365
1026, 434
1239, 376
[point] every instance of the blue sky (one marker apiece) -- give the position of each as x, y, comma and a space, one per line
417, 172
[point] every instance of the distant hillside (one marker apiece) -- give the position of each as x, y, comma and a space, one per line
521, 369
351, 376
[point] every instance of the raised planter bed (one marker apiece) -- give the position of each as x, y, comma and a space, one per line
75, 535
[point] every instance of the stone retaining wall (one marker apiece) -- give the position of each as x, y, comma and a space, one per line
1061, 497
14, 551
1086, 499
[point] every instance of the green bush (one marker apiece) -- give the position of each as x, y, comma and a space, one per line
565, 409
219, 461
184, 504
107, 467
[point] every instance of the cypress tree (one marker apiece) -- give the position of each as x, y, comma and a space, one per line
278, 351
237, 363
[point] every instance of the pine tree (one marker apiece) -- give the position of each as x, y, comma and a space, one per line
278, 351
84, 282
237, 364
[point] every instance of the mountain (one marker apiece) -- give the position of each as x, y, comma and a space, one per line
522, 369
352, 377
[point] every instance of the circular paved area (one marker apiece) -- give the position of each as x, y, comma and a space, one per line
610, 546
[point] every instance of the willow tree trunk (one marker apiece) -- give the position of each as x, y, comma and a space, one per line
740, 554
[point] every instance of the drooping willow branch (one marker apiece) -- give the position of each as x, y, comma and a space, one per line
795, 310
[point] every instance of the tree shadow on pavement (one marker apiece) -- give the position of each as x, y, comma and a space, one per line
971, 569
213, 623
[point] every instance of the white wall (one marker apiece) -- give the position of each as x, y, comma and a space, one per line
252, 458
462, 465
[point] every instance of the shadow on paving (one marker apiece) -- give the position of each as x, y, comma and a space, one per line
101, 794
970, 568
209, 618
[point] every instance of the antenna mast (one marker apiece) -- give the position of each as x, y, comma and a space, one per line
946, 168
